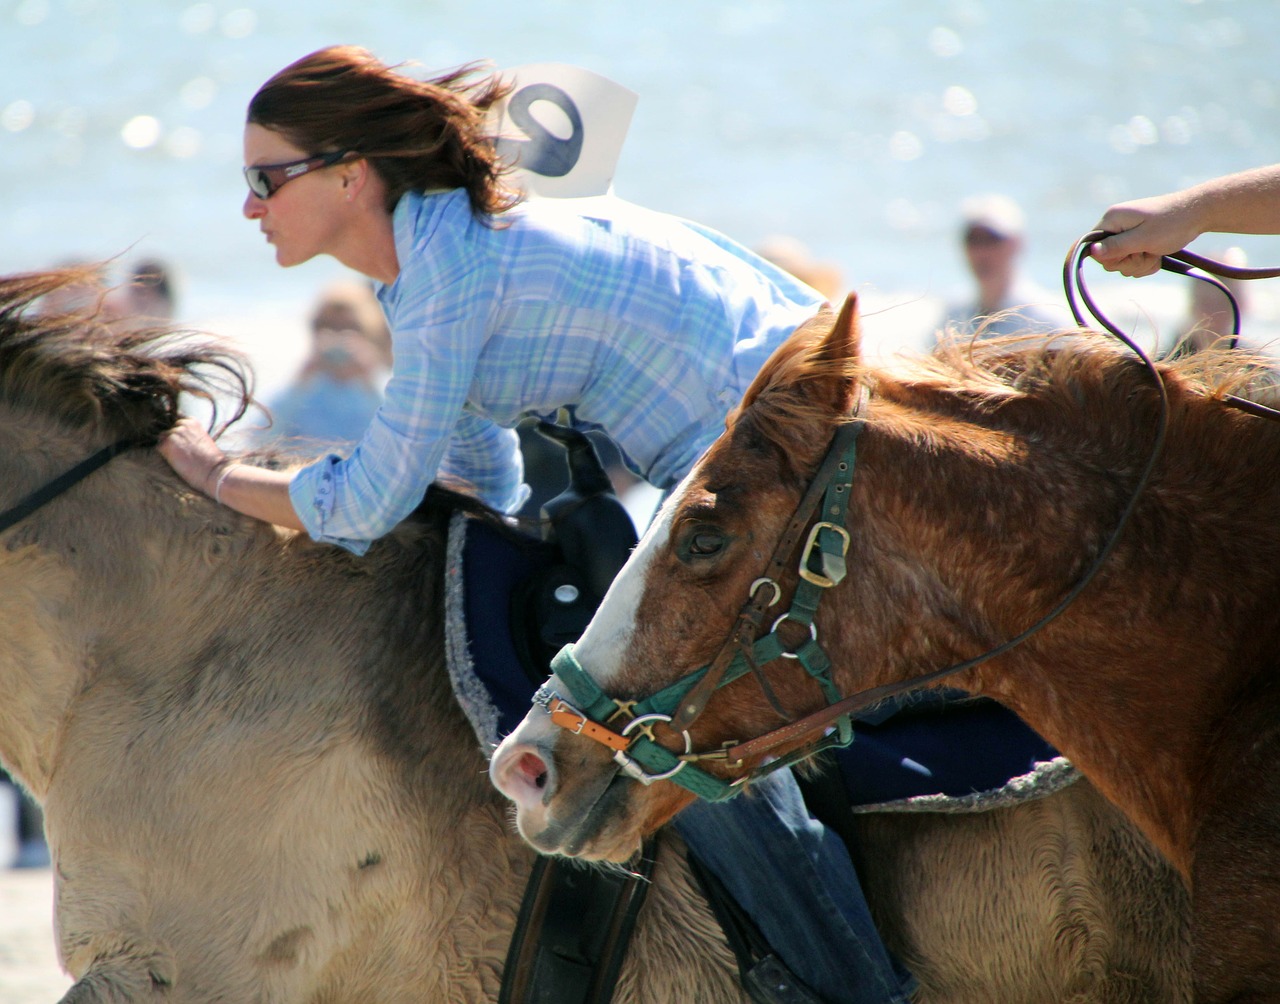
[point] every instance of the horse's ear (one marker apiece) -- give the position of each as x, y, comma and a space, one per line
845, 339
843, 347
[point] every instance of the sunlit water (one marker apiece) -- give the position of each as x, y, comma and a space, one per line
856, 126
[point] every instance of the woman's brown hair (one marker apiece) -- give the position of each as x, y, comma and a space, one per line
417, 134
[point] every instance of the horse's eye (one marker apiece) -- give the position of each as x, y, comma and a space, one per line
704, 542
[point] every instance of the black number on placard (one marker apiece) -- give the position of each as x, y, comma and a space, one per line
543, 153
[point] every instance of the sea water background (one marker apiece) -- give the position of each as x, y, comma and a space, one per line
856, 126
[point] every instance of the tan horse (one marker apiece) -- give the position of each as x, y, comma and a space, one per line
258, 788
980, 494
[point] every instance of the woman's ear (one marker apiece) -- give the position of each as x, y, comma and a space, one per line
354, 174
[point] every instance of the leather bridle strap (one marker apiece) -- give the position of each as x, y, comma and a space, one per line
825, 717
46, 493
751, 616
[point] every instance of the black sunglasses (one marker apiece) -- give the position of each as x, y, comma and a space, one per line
267, 179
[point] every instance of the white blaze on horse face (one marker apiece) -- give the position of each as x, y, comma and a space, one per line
604, 643
599, 652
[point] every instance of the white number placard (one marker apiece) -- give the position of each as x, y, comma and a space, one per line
563, 127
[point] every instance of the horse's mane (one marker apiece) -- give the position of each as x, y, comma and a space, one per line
1078, 373
1064, 362
111, 382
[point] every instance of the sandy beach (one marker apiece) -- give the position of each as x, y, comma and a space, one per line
29, 972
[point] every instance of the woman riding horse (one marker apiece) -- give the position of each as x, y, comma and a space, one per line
642, 325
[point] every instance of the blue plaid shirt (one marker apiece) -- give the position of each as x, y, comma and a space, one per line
646, 326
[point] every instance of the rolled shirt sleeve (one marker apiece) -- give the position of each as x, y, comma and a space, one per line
438, 310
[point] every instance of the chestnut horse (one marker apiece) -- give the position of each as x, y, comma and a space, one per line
258, 788
984, 486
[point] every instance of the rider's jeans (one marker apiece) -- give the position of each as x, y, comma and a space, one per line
794, 879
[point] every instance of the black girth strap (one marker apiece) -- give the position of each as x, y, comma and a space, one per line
573, 931
51, 490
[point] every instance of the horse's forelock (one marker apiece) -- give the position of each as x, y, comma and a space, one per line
79, 368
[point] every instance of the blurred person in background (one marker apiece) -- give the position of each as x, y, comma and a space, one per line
1209, 319
74, 297
146, 297
1003, 301
334, 396
792, 255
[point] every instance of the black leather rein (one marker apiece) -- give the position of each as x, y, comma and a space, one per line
51, 490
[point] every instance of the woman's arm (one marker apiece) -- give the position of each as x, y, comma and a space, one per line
1147, 229
254, 491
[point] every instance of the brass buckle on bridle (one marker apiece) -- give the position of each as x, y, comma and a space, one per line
832, 565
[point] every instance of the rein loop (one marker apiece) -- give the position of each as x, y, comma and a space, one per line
1183, 262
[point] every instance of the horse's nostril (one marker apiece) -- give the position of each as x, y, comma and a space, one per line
533, 769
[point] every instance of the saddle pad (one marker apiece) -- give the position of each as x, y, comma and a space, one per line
483, 572
941, 751
932, 753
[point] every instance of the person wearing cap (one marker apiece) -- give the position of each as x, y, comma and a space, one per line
1005, 302
1247, 202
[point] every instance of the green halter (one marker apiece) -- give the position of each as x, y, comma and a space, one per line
590, 711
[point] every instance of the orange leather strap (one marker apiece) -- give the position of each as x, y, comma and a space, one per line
569, 717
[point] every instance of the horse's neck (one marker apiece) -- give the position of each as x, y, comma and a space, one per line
1139, 667
120, 585
40, 666
88, 600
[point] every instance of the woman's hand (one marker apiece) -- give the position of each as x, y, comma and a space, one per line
254, 491
194, 455
1247, 202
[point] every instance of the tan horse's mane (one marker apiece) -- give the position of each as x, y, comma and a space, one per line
111, 382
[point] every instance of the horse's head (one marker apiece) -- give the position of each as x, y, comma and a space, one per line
673, 606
